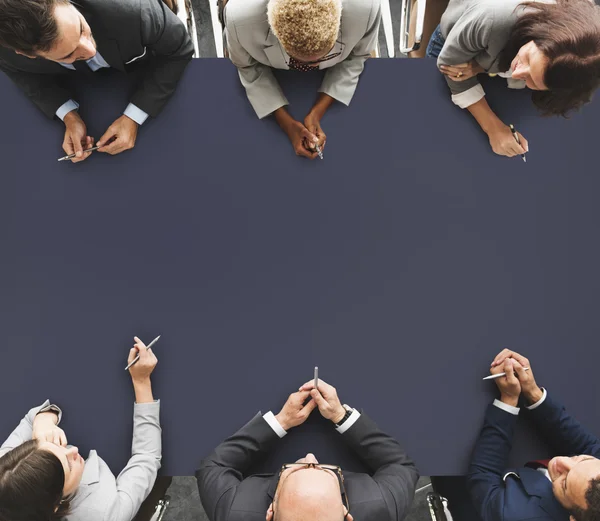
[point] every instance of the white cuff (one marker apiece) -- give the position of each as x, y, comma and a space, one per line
469, 97
274, 424
135, 113
515, 84
349, 422
539, 402
65, 108
508, 408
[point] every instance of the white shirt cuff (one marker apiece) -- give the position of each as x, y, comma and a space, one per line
135, 113
349, 422
539, 402
508, 408
469, 97
275, 425
65, 108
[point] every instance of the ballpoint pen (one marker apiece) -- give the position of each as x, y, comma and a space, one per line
316, 377
494, 376
319, 151
516, 136
138, 356
71, 156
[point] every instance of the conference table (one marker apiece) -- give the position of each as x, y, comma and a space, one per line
400, 264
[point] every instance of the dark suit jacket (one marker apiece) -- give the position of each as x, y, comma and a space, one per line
501, 494
124, 30
384, 496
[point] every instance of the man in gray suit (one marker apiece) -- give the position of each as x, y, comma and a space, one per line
303, 35
305, 489
42, 41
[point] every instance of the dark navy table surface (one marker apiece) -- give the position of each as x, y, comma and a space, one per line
400, 265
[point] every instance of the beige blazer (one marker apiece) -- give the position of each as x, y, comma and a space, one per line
101, 496
254, 50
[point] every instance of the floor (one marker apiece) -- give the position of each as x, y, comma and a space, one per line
185, 503
206, 42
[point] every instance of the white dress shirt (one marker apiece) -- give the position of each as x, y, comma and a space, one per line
98, 62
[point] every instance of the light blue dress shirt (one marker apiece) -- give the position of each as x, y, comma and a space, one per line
98, 62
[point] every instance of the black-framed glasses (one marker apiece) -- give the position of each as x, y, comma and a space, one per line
303, 66
318, 466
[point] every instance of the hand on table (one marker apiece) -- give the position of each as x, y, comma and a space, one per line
327, 400
45, 429
509, 385
462, 71
76, 139
123, 133
299, 136
504, 143
313, 125
530, 389
295, 411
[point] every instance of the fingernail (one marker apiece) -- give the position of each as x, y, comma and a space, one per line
78, 153
316, 139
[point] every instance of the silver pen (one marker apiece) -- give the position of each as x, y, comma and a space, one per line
138, 356
316, 377
494, 376
319, 151
71, 156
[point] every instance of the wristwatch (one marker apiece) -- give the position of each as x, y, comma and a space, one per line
349, 411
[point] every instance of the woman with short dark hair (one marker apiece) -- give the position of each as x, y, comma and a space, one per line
553, 48
42, 478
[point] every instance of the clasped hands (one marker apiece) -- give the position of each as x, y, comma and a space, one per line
517, 380
300, 404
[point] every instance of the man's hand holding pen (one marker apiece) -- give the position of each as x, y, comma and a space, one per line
123, 133
76, 139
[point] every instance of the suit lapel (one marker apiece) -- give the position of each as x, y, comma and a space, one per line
278, 58
108, 48
273, 486
536, 484
89, 479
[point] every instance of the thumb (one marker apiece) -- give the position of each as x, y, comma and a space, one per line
310, 137
309, 407
524, 143
77, 147
106, 137
318, 398
132, 354
519, 369
509, 369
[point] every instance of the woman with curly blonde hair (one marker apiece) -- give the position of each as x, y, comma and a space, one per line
304, 36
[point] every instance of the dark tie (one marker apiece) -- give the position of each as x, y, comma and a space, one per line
538, 464
82, 67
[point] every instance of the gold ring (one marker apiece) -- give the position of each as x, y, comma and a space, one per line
459, 74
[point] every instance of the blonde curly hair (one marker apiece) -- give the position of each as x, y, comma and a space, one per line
305, 28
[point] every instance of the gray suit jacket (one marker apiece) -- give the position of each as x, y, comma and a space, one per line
228, 495
126, 31
101, 496
254, 49
477, 30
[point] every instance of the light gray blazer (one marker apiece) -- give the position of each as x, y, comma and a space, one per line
254, 49
101, 496
477, 30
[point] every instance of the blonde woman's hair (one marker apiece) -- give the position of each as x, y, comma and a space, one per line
305, 28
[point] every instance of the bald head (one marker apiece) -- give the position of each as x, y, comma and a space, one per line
309, 494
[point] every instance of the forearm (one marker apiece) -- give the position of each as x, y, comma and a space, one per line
143, 391
485, 116
324, 101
